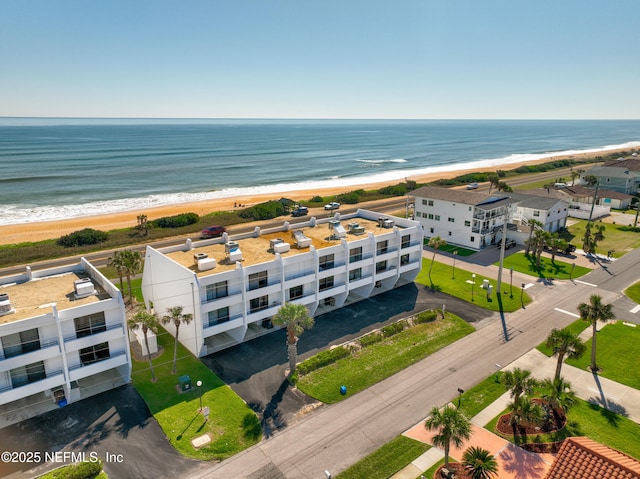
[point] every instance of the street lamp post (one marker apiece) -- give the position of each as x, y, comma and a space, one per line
522, 296
511, 283
460, 391
199, 384
473, 283
573, 265
453, 270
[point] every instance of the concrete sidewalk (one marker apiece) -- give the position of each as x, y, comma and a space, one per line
609, 394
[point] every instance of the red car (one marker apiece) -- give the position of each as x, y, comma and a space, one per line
212, 231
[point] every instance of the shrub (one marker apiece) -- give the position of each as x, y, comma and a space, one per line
394, 190
392, 329
371, 338
317, 199
81, 470
350, 198
425, 317
264, 211
86, 236
177, 221
323, 359
629, 228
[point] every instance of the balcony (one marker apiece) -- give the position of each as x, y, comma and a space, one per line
80, 371
232, 323
113, 331
262, 312
53, 380
48, 349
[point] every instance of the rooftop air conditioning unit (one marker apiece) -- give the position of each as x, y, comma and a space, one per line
337, 230
278, 245
232, 250
83, 288
5, 305
388, 223
203, 262
381, 221
302, 241
356, 229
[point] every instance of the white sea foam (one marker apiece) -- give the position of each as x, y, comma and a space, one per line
380, 162
19, 214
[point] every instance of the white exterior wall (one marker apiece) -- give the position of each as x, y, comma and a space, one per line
552, 219
59, 347
456, 232
167, 283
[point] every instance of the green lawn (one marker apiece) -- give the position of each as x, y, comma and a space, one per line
576, 328
557, 270
381, 360
233, 426
481, 395
620, 242
633, 292
599, 424
458, 284
387, 460
449, 248
617, 354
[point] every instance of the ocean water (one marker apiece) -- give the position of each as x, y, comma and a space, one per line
61, 168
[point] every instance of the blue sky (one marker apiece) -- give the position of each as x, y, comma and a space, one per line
320, 59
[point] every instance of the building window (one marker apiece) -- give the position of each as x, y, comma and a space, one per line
326, 262
258, 280
295, 292
218, 316
451, 220
437, 217
430, 203
91, 324
473, 238
449, 233
355, 254
95, 353
381, 266
258, 304
325, 283
20, 343
28, 374
424, 202
217, 290
382, 247
536, 213
431, 230
430, 216
405, 241
355, 274
467, 223
404, 259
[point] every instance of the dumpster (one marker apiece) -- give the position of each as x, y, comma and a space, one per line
185, 383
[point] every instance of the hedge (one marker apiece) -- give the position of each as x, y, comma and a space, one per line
86, 236
177, 221
323, 359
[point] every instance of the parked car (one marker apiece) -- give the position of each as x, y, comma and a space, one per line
472, 186
212, 231
332, 206
509, 243
300, 211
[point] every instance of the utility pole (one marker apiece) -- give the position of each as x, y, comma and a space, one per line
499, 285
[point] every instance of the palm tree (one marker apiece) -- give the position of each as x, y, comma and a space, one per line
593, 312
435, 242
494, 180
176, 317
564, 344
148, 322
541, 239
452, 426
295, 317
558, 394
519, 382
533, 224
116, 261
524, 410
479, 463
132, 264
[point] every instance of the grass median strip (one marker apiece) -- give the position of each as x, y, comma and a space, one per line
231, 426
371, 364
387, 460
557, 270
461, 284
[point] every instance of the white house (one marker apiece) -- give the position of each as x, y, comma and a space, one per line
466, 218
63, 337
551, 212
234, 285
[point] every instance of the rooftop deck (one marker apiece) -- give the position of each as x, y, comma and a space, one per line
257, 250
34, 298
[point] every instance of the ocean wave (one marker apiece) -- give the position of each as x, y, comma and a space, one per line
380, 162
20, 213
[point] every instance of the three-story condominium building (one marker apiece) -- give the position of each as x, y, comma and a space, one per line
63, 337
233, 286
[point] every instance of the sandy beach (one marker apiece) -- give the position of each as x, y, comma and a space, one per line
18, 233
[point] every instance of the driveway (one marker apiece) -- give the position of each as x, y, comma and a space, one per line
115, 422
256, 370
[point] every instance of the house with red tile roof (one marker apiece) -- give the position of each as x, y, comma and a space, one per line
583, 458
